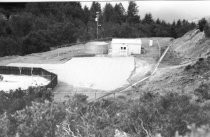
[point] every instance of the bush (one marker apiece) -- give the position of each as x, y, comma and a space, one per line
21, 24
207, 30
39, 120
151, 114
203, 131
9, 46
201, 24
18, 99
203, 92
200, 67
36, 42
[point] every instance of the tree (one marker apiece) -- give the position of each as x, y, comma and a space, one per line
38, 8
72, 10
4, 27
9, 8
173, 30
95, 7
9, 46
201, 24
86, 15
148, 19
158, 21
119, 13
132, 13
179, 23
35, 42
108, 13
21, 24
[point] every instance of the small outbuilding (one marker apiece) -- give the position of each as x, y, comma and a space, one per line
125, 47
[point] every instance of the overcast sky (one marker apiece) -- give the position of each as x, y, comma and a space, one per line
168, 10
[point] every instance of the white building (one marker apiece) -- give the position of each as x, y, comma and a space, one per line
125, 47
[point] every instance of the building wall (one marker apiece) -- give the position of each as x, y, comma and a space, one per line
117, 49
134, 49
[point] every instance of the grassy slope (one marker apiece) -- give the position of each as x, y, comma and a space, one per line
172, 77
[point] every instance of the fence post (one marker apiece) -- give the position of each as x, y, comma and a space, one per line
31, 71
20, 69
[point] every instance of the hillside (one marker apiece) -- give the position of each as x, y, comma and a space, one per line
187, 74
192, 45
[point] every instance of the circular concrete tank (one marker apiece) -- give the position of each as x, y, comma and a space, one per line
96, 48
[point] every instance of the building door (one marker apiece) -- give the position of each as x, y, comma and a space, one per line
124, 50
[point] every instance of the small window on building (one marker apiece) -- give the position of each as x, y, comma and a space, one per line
124, 48
121, 48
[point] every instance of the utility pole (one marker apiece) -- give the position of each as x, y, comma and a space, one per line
96, 19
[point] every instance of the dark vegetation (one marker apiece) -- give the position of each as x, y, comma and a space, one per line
19, 99
203, 25
150, 114
201, 67
35, 27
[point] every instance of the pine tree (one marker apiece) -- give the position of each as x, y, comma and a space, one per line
95, 7
108, 13
158, 21
173, 30
119, 13
132, 13
202, 23
148, 19
86, 15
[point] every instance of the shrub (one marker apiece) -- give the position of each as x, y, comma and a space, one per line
207, 30
21, 24
200, 67
36, 42
39, 120
203, 92
203, 131
201, 24
151, 114
18, 99
9, 46
162, 114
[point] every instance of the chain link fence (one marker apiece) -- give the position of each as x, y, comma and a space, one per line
8, 70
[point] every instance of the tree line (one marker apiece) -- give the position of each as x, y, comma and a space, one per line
35, 27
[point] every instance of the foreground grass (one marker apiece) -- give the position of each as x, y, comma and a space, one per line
147, 116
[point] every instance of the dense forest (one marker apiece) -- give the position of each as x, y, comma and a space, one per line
35, 27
